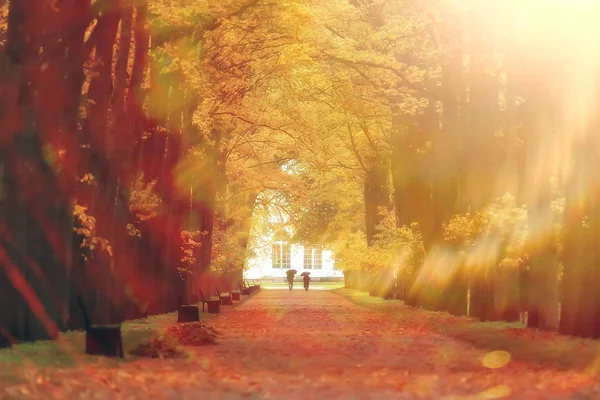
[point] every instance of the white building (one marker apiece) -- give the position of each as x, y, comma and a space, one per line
274, 255
283, 256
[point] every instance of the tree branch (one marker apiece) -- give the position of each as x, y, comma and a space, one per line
210, 25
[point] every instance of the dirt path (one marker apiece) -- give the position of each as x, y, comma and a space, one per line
318, 345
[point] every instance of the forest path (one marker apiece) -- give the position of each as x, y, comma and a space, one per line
317, 344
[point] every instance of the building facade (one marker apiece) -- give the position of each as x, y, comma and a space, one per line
284, 256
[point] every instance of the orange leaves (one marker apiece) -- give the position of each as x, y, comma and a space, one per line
159, 349
315, 344
144, 201
86, 227
169, 346
189, 244
193, 334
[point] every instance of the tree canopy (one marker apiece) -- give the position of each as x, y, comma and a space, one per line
439, 147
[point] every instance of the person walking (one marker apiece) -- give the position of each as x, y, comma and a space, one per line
290, 278
306, 280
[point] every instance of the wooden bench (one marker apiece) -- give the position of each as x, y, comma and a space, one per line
244, 290
188, 313
226, 299
213, 306
253, 286
251, 289
105, 340
235, 294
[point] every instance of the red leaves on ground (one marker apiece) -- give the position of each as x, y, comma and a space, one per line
296, 345
158, 348
193, 334
169, 346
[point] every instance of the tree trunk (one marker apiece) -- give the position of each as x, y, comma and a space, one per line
446, 147
580, 303
412, 196
375, 196
543, 258
506, 294
35, 256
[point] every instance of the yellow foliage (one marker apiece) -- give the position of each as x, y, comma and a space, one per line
85, 226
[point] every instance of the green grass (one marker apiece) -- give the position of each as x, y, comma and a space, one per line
69, 350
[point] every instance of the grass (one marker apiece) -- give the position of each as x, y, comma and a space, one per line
530, 345
69, 350
525, 345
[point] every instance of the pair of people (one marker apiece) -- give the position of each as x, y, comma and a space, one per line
305, 278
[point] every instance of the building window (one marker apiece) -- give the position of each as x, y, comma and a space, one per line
285, 255
280, 255
276, 255
318, 258
307, 258
313, 258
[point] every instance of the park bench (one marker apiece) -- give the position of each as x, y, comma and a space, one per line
250, 288
188, 313
4, 339
213, 306
235, 294
253, 287
244, 290
103, 340
226, 299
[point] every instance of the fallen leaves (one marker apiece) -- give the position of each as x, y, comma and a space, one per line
159, 348
171, 342
311, 346
193, 334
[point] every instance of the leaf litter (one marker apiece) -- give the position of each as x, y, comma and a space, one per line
316, 344
170, 343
